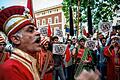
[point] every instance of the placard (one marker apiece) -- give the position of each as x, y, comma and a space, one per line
105, 26
59, 49
43, 31
58, 33
90, 44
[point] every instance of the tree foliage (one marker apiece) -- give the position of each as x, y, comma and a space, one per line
102, 10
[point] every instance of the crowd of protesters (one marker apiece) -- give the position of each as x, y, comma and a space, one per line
32, 56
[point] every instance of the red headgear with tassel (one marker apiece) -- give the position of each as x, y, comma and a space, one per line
12, 19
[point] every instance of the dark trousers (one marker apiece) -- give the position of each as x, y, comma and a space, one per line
58, 72
70, 72
102, 68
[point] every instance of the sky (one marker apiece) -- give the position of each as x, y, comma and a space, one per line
37, 4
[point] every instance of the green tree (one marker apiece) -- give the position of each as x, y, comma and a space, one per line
101, 10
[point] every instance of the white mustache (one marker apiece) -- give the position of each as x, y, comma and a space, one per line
37, 39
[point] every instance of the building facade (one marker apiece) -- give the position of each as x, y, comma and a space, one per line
51, 15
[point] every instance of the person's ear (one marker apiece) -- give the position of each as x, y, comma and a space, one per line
15, 39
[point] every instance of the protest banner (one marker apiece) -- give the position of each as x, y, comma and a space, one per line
105, 26
90, 44
59, 49
43, 31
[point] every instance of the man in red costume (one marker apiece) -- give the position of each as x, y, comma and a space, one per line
112, 52
45, 60
22, 33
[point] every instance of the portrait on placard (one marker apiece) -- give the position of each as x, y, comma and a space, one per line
43, 31
59, 49
58, 33
90, 44
105, 26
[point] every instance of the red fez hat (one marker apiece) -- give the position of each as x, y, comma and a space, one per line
115, 36
44, 40
12, 19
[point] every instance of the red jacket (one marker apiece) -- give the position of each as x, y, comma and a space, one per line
14, 70
20, 66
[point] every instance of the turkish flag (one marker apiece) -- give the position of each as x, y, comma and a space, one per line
49, 30
67, 52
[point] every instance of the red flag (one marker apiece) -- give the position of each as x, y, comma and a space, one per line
49, 30
30, 7
67, 52
84, 32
